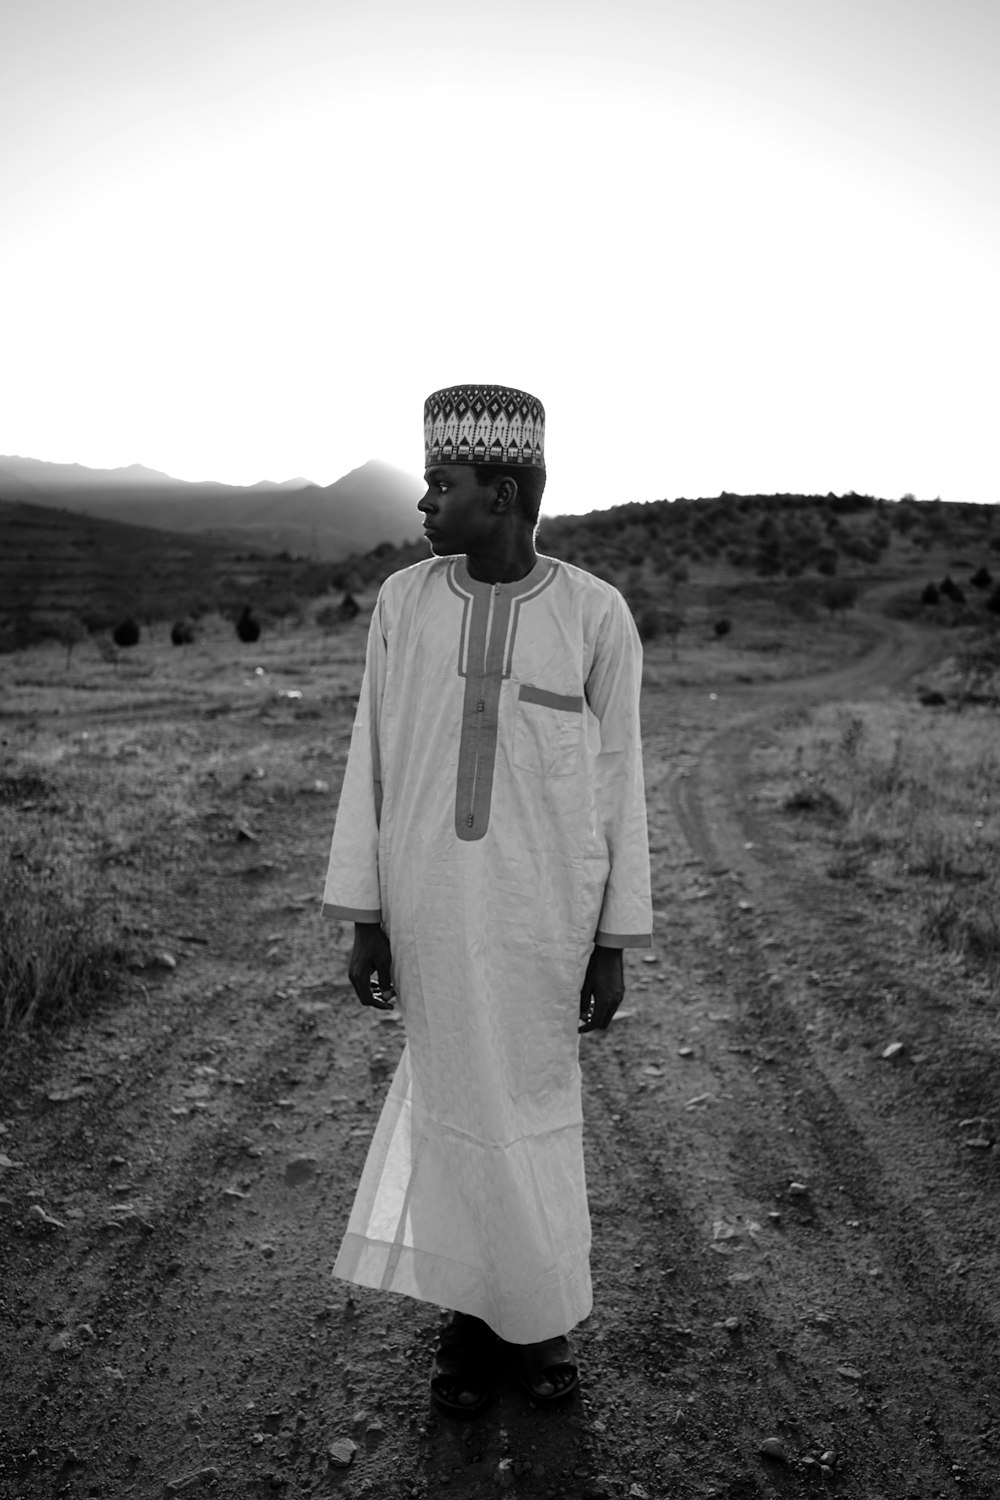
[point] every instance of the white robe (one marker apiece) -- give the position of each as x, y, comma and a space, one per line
492, 817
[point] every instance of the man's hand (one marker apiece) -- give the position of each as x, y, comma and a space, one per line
371, 956
603, 989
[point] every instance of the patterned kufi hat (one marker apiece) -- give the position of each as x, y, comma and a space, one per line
484, 424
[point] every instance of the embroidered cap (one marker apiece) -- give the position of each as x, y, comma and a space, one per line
484, 424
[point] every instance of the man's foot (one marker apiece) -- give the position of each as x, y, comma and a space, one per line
547, 1371
464, 1367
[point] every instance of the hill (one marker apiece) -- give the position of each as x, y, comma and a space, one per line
62, 573
651, 550
371, 504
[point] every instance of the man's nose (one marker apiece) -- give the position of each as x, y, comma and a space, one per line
423, 504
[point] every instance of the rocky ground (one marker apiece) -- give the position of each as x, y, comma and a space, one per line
790, 1155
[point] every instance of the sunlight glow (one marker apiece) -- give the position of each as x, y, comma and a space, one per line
272, 237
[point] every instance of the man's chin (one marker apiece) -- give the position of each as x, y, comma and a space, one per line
440, 547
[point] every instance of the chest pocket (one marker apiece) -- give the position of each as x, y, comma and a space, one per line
547, 730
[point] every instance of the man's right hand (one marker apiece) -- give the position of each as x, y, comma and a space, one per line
370, 956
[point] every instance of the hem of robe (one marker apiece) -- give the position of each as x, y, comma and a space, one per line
623, 940
352, 913
388, 1267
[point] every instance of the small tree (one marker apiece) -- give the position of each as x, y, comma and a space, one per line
839, 595
248, 626
126, 633
672, 622
109, 652
721, 628
649, 623
931, 594
69, 633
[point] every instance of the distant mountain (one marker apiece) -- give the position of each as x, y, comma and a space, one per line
372, 504
35, 474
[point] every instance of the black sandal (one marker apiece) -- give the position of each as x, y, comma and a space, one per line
464, 1365
542, 1361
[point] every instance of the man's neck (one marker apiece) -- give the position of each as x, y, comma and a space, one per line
509, 560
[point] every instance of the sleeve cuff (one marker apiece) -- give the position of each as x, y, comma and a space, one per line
623, 940
351, 913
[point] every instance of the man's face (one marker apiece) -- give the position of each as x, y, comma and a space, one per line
457, 510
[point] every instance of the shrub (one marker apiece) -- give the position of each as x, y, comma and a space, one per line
58, 952
931, 594
967, 926
722, 628
841, 594
126, 632
982, 578
767, 564
248, 626
649, 623
672, 623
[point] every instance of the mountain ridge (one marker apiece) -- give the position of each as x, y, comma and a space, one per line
55, 474
372, 503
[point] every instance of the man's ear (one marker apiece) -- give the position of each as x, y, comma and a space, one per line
505, 498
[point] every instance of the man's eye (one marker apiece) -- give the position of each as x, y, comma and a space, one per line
442, 487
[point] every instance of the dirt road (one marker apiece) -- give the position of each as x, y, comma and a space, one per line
795, 1249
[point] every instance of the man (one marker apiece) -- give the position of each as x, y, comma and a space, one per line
490, 847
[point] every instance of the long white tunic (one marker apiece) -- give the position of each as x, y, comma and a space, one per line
493, 819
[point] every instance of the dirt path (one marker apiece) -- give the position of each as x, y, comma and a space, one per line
791, 1240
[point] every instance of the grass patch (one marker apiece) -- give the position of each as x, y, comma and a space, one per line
117, 836
913, 797
59, 955
969, 927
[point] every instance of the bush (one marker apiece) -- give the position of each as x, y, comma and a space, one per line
649, 623
126, 632
968, 926
58, 953
931, 594
840, 595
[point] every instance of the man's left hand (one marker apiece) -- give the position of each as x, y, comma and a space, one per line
603, 989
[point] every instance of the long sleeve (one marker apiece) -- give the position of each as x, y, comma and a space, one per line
613, 695
352, 882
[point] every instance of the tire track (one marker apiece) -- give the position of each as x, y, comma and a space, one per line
859, 1141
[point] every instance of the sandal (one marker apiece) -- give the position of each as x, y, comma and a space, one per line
464, 1366
550, 1363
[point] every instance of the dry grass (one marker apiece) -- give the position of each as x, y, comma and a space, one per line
911, 794
123, 793
60, 953
766, 644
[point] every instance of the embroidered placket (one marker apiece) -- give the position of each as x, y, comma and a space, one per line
481, 712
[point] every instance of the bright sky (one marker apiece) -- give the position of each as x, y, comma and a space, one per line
750, 245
